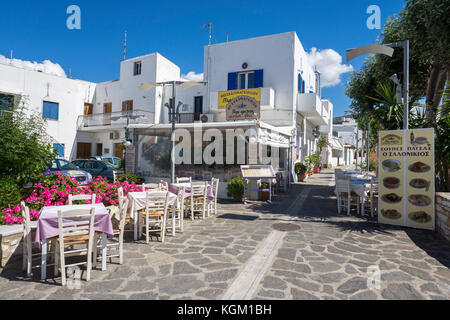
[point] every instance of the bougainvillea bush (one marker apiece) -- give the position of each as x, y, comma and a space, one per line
55, 190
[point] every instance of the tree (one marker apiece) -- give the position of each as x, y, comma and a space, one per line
25, 148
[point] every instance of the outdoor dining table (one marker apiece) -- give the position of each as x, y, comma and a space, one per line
176, 187
137, 202
47, 228
360, 186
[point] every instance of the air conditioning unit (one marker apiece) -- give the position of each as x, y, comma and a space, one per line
114, 135
206, 117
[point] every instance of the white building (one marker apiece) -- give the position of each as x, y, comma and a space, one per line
92, 117
346, 131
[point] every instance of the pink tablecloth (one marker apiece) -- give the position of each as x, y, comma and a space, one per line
175, 188
47, 226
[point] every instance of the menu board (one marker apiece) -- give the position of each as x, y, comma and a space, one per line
406, 172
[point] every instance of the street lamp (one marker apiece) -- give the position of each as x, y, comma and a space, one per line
387, 49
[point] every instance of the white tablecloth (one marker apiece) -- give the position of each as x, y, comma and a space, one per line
137, 200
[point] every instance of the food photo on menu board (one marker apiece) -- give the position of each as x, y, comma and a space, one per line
407, 176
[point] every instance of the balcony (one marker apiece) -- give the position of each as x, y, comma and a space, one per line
113, 120
267, 97
311, 107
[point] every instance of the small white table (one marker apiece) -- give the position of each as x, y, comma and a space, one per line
48, 216
137, 202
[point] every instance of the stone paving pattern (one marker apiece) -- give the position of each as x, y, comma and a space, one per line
327, 258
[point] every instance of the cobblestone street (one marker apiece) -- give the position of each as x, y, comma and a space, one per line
327, 257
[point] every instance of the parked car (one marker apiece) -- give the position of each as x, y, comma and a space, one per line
114, 161
65, 167
97, 168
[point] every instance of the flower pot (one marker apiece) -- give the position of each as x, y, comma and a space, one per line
316, 170
265, 195
310, 173
301, 177
325, 166
238, 198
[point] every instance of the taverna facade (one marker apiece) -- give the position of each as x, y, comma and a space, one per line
88, 119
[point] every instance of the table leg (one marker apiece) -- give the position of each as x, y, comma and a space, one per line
44, 259
135, 228
104, 242
362, 206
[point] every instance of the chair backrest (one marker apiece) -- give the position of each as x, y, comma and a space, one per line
114, 176
123, 214
156, 202
215, 186
150, 186
26, 220
74, 222
184, 179
342, 185
198, 188
73, 197
180, 197
163, 186
121, 197
374, 185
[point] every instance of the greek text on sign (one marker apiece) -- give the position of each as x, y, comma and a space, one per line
242, 108
225, 97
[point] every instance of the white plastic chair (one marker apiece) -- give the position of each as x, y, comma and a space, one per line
74, 229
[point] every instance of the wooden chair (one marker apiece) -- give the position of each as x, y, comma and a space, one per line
156, 209
184, 179
179, 211
150, 186
345, 196
74, 197
116, 244
163, 186
27, 246
74, 231
373, 195
213, 203
197, 199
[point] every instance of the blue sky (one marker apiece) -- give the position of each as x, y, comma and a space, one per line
36, 30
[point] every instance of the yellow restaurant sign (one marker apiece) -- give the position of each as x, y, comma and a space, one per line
406, 172
226, 96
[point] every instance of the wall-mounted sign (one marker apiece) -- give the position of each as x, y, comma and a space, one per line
406, 172
226, 96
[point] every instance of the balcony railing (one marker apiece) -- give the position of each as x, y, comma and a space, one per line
115, 118
189, 117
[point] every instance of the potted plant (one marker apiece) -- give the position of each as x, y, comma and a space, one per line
300, 169
322, 143
308, 164
265, 194
315, 160
235, 188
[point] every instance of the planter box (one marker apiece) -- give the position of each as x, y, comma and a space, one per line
265, 195
301, 177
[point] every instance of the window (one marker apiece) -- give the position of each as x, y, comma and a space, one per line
246, 80
198, 107
137, 68
6, 101
99, 149
127, 105
50, 110
59, 149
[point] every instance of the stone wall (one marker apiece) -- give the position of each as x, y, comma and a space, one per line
10, 248
443, 214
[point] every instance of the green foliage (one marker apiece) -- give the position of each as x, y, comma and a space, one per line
25, 148
300, 168
313, 159
130, 178
322, 142
235, 187
264, 185
372, 165
10, 195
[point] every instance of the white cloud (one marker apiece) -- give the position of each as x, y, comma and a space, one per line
329, 64
46, 66
192, 76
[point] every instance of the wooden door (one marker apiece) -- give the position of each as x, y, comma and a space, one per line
99, 149
83, 150
118, 151
107, 107
88, 108
128, 103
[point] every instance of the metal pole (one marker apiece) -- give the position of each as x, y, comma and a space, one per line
172, 117
357, 133
368, 152
406, 83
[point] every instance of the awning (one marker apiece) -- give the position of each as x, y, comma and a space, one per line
336, 144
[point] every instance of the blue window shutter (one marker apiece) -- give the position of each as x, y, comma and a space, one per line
232, 80
259, 78
55, 111
303, 86
45, 111
299, 83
